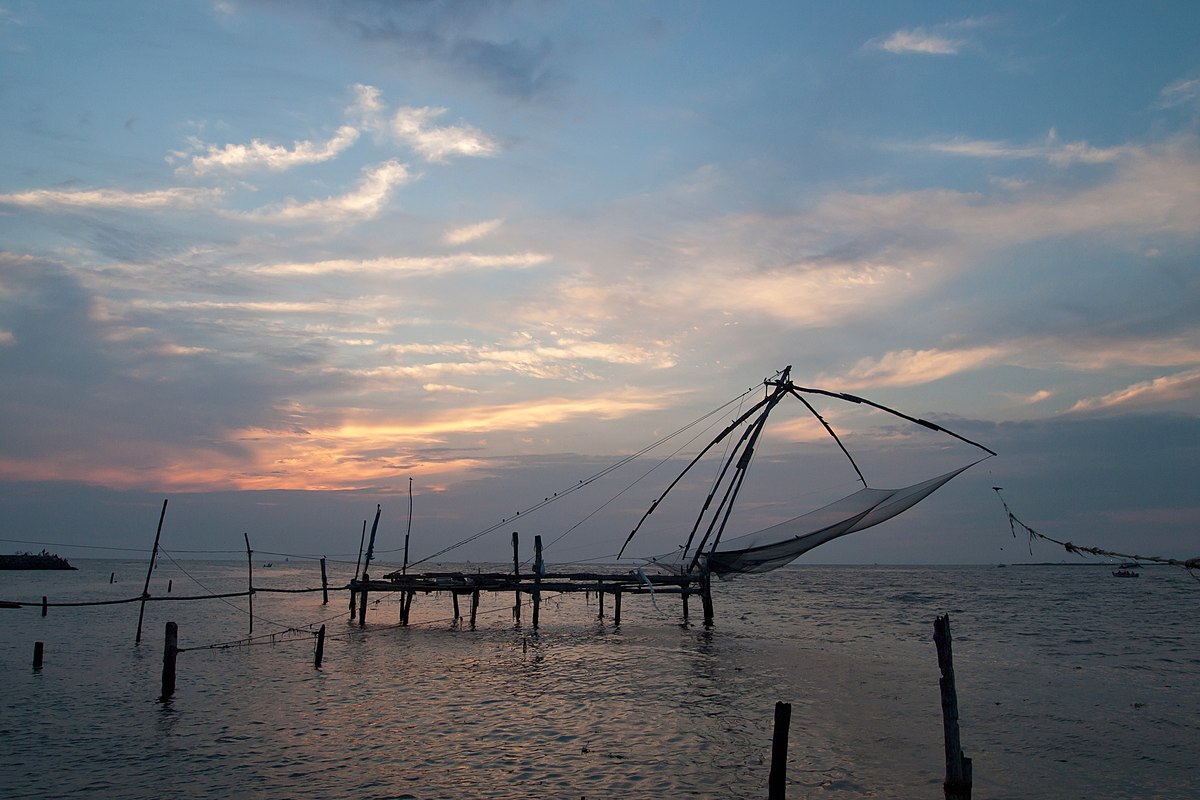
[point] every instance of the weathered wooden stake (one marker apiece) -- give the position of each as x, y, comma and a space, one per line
958, 767
45, 605
358, 564
777, 782
684, 594
617, 606
474, 607
320, 648
538, 569
517, 578
112, 578
169, 582
38, 649
170, 651
600, 600
324, 584
457, 615
406, 601
362, 607
706, 596
150, 571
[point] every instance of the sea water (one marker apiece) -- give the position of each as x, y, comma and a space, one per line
1071, 684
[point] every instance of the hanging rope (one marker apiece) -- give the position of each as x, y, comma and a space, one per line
1189, 564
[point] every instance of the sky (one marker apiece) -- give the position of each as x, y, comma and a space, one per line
281, 261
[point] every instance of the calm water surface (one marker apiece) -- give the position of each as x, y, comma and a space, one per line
1072, 684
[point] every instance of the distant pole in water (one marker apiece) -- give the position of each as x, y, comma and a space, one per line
249, 581
38, 650
324, 584
150, 571
538, 568
777, 782
958, 767
408, 530
357, 565
362, 601
320, 648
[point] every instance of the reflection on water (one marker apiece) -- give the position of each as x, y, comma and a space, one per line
1071, 685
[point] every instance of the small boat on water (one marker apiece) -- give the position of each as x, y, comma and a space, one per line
1124, 573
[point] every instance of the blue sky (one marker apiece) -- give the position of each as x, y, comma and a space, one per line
272, 259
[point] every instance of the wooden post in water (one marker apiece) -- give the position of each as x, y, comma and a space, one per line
457, 615
516, 578
600, 599
777, 782
406, 601
249, 582
357, 564
170, 651
320, 648
538, 569
149, 572
46, 605
617, 606
39, 648
362, 604
112, 578
324, 584
706, 596
474, 607
684, 594
958, 767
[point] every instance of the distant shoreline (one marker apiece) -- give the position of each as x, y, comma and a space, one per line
42, 560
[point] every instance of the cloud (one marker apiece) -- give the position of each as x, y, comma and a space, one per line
1182, 386
413, 126
365, 202
913, 367
177, 198
918, 40
1060, 154
263, 155
405, 265
469, 233
1183, 92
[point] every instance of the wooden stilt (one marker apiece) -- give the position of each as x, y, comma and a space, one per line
362, 607
170, 583
39, 648
407, 601
538, 568
958, 767
357, 565
457, 615
474, 607
320, 647
250, 581
617, 606
112, 578
170, 651
600, 600
684, 595
516, 578
706, 596
324, 584
777, 782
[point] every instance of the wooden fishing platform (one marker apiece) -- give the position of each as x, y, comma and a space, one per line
531, 584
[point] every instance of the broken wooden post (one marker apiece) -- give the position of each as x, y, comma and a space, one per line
777, 782
957, 785
538, 569
324, 584
617, 606
39, 648
320, 648
170, 651
150, 571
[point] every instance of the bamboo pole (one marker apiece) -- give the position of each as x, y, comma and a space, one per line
516, 579
324, 584
249, 581
408, 530
362, 605
957, 785
357, 564
149, 572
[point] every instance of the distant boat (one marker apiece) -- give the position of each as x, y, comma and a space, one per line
268, 564
1124, 573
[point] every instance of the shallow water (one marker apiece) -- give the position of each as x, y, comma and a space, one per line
1071, 684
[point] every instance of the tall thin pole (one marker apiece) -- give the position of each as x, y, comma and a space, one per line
250, 580
150, 571
357, 564
366, 578
404, 566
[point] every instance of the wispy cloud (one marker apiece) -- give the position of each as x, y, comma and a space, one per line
914, 367
180, 198
405, 265
1183, 386
414, 127
1061, 154
469, 233
365, 202
919, 40
1185, 91
264, 155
